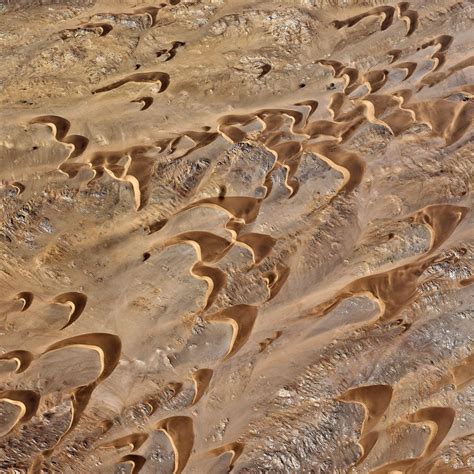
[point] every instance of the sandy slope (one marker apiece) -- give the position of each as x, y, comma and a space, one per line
236, 234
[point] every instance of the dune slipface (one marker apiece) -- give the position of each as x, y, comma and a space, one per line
236, 236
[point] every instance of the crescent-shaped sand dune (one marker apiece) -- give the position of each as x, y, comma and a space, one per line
236, 236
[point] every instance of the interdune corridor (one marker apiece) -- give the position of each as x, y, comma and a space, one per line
236, 235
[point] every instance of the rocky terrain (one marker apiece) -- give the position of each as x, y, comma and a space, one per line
236, 235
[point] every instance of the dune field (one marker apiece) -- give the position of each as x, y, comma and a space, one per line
236, 235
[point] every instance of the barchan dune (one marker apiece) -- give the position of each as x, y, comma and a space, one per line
236, 235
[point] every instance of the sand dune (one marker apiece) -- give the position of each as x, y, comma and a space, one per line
408, 66
210, 247
202, 379
146, 101
170, 53
27, 402
179, 430
236, 236
23, 359
395, 288
25, 298
134, 441
102, 28
161, 77
386, 13
60, 126
214, 277
366, 444
375, 400
136, 461
439, 420
76, 301
409, 16
241, 318
235, 450
260, 244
